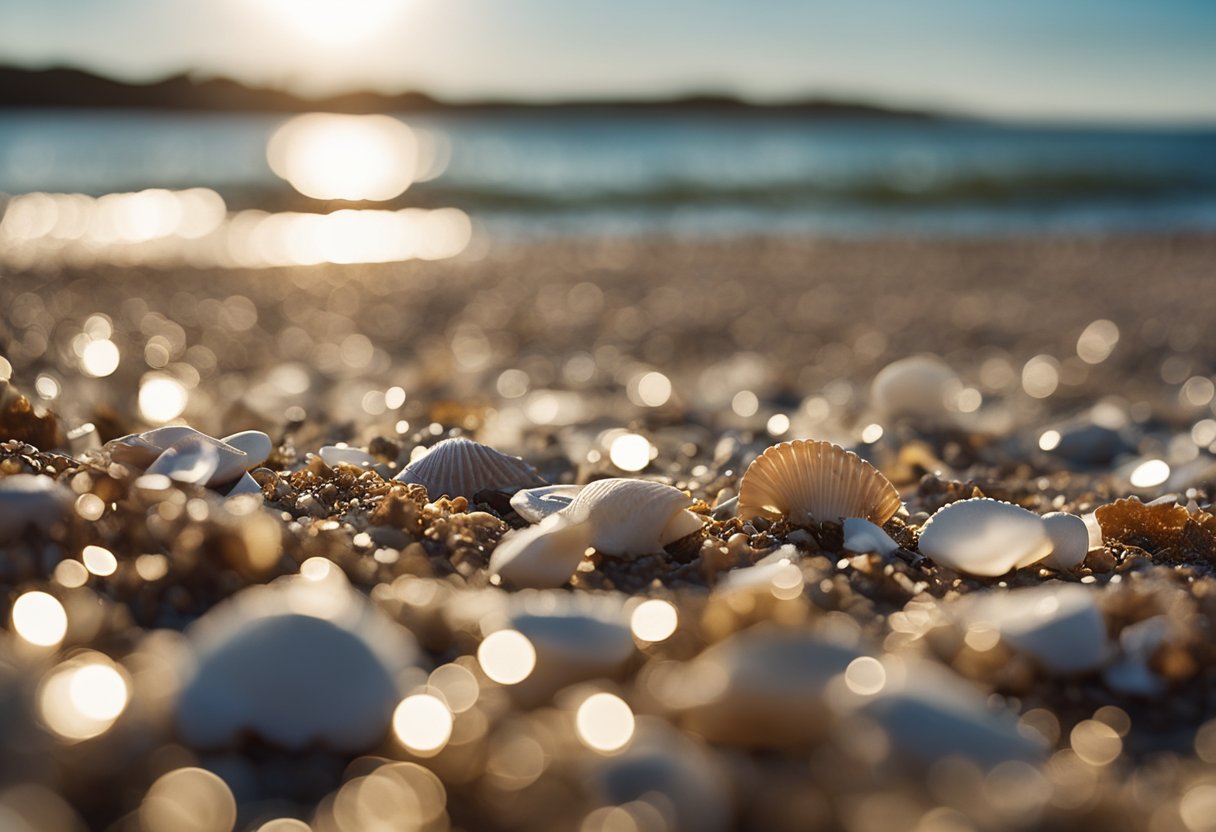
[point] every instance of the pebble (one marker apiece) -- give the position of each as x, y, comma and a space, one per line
1059, 625
31, 500
297, 662
862, 536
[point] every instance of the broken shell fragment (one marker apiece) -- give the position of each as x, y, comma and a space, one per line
862, 536
1069, 540
544, 556
633, 517
144, 451
813, 481
460, 467
535, 504
984, 537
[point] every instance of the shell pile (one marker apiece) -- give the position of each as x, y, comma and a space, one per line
808, 481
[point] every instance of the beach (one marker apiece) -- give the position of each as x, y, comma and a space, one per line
785, 672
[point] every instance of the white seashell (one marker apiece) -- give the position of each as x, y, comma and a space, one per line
31, 500
255, 445
921, 387
460, 467
984, 537
633, 517
930, 713
760, 688
535, 504
1059, 625
763, 577
333, 455
297, 662
1094, 528
811, 481
141, 451
1069, 540
544, 556
193, 460
245, 485
663, 761
862, 536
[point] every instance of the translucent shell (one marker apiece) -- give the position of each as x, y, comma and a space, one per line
807, 480
460, 467
633, 517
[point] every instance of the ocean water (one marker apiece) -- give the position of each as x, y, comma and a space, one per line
542, 174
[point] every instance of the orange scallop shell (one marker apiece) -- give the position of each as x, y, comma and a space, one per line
808, 480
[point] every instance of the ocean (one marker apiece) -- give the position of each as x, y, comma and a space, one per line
540, 174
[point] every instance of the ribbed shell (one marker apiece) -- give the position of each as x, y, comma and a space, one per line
460, 467
807, 480
633, 517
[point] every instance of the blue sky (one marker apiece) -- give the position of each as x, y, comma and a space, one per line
1127, 60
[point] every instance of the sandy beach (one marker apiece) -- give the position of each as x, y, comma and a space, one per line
1083, 376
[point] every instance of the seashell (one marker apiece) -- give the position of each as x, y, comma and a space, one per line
460, 467
921, 387
862, 536
762, 688
297, 662
544, 556
255, 444
31, 500
193, 460
811, 481
1057, 624
633, 517
984, 537
142, 450
661, 760
1069, 540
332, 455
929, 713
245, 485
775, 574
535, 504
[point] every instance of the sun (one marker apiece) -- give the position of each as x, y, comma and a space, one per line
336, 22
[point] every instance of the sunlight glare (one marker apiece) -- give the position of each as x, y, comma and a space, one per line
335, 22
328, 156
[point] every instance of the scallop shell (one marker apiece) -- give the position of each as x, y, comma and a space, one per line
544, 556
460, 467
633, 517
807, 480
985, 537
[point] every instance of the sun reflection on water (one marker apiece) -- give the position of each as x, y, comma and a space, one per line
345, 157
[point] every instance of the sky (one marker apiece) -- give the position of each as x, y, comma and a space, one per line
1110, 60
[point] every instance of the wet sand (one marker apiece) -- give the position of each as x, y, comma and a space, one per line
550, 351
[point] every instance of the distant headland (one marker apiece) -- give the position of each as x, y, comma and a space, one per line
73, 88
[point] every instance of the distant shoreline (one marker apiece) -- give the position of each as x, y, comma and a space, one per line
62, 88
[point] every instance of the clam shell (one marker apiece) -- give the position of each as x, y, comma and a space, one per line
253, 443
460, 467
193, 460
984, 537
535, 504
921, 387
1069, 540
633, 517
544, 556
807, 480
